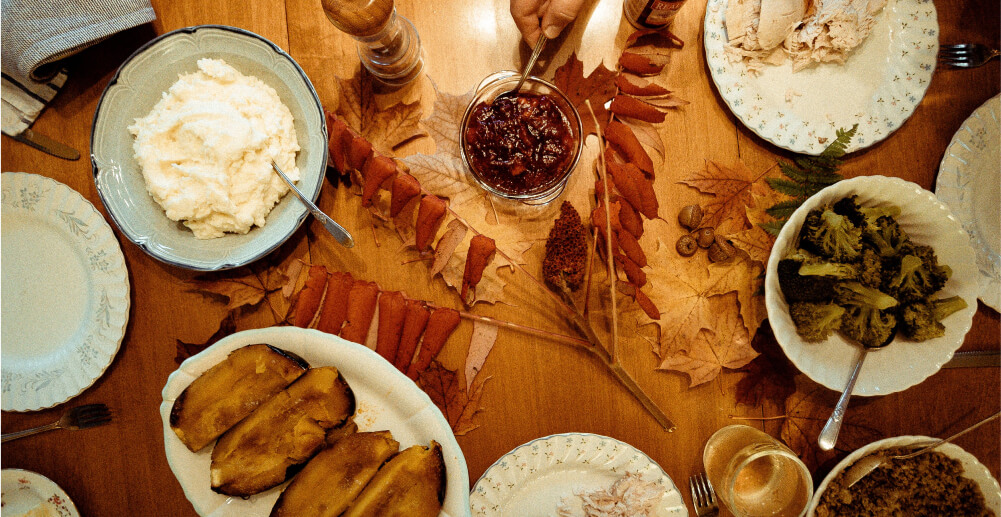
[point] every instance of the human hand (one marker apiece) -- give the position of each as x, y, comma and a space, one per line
536, 17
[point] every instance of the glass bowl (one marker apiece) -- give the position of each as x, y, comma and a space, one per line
488, 90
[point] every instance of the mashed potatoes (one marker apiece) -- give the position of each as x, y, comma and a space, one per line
206, 149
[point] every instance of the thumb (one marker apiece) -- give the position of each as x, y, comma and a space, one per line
559, 14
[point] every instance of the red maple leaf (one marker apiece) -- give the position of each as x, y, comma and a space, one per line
598, 88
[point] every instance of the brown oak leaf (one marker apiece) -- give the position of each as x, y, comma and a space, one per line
730, 188
727, 345
458, 404
806, 411
598, 88
237, 291
386, 128
226, 327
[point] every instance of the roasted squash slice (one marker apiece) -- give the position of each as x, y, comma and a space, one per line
411, 484
274, 441
229, 391
334, 477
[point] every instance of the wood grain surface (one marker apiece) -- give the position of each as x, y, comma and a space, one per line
537, 387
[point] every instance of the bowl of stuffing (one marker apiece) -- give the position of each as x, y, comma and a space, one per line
871, 261
183, 142
945, 480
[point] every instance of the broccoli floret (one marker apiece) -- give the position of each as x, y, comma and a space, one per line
863, 216
922, 320
870, 269
816, 321
885, 235
798, 288
822, 267
867, 318
830, 235
916, 274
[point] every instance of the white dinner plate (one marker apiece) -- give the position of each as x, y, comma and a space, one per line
65, 293
23, 490
969, 181
879, 86
902, 363
386, 400
533, 479
972, 468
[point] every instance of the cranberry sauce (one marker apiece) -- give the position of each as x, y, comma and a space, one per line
519, 144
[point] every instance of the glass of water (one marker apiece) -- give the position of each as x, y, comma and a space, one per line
755, 475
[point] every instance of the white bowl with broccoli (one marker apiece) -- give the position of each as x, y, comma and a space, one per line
855, 276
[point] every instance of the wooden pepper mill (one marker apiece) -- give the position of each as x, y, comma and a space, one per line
388, 45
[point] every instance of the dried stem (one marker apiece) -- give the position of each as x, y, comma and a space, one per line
759, 418
569, 340
608, 234
591, 250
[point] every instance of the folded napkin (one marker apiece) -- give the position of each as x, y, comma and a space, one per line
38, 33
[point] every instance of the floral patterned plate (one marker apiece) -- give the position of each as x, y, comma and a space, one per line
533, 479
878, 87
969, 181
65, 293
24, 490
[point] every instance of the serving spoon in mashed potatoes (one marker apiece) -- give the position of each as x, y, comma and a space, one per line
340, 234
865, 465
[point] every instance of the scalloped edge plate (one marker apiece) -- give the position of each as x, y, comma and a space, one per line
893, 368
973, 468
65, 293
138, 85
532, 479
385, 399
23, 490
969, 181
879, 86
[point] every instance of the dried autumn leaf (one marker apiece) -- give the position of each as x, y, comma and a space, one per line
658, 38
237, 291
386, 129
458, 404
598, 88
634, 85
226, 327
480, 344
627, 106
455, 234
731, 191
727, 345
770, 376
643, 64
755, 241
807, 410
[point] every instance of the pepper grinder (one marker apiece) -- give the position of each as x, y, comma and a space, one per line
388, 45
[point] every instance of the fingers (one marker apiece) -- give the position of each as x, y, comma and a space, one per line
558, 15
526, 15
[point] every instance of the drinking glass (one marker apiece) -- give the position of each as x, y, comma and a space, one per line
755, 475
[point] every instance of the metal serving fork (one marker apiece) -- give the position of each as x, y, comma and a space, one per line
80, 417
703, 496
965, 55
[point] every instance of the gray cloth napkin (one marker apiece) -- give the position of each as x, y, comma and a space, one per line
38, 33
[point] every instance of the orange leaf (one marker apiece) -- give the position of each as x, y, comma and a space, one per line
447, 244
598, 87
659, 38
226, 327
640, 64
633, 85
627, 106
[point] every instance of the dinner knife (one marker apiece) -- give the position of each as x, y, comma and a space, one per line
974, 359
46, 144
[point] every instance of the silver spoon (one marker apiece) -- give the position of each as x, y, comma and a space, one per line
340, 234
829, 434
867, 464
531, 63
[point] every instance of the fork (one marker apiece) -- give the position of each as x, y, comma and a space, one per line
703, 496
965, 55
80, 417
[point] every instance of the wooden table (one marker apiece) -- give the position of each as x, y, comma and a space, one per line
537, 388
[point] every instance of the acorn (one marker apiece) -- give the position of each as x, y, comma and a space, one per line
690, 217
721, 250
686, 246
705, 237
